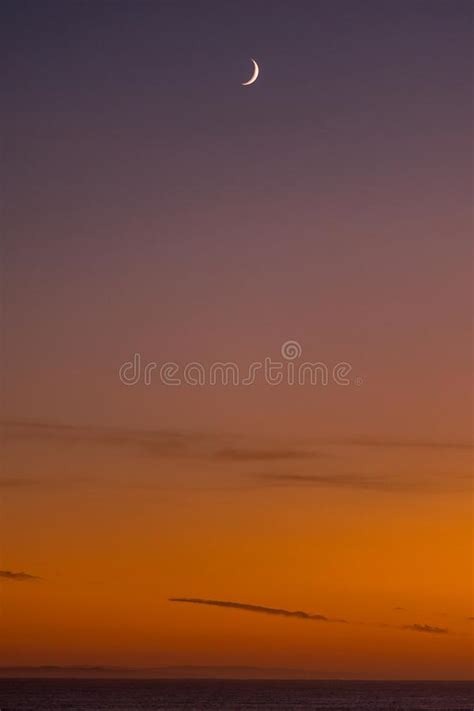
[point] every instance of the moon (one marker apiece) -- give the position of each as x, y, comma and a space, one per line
254, 76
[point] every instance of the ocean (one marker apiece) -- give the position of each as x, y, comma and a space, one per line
216, 694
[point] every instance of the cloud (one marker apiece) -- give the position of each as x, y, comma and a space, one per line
16, 482
156, 443
425, 628
301, 615
261, 609
248, 455
178, 439
368, 482
217, 446
351, 481
231, 450
408, 443
20, 577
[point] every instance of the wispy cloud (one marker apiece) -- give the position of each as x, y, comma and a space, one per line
429, 629
384, 483
351, 481
217, 446
261, 609
157, 443
401, 443
17, 482
37, 428
301, 614
214, 447
249, 455
19, 577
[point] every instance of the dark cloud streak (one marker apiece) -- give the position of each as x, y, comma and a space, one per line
393, 443
261, 609
18, 577
389, 484
425, 628
300, 614
249, 455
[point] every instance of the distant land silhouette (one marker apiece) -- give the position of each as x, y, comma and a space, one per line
168, 672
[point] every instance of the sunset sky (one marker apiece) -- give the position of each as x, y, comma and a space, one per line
155, 206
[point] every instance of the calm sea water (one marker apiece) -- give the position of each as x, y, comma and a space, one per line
196, 694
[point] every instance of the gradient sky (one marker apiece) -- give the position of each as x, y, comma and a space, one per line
153, 205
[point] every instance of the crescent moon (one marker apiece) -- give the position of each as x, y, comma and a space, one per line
254, 76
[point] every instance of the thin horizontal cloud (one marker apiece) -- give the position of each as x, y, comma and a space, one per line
45, 481
176, 439
156, 443
385, 483
194, 444
233, 450
261, 609
301, 615
19, 577
428, 629
399, 443
351, 481
248, 455
17, 482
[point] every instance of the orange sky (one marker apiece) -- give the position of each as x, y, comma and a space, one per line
116, 522
153, 205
